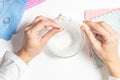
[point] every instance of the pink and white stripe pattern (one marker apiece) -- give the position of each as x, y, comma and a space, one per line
91, 14
32, 3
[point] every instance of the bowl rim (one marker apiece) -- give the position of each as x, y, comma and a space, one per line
81, 45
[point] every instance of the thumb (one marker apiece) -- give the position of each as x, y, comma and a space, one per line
95, 43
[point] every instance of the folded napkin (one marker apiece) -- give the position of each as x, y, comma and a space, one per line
91, 14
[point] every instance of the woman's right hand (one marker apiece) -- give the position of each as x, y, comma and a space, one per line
107, 47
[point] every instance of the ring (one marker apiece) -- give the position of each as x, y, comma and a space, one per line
44, 31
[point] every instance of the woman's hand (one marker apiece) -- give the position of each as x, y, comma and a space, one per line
107, 46
34, 41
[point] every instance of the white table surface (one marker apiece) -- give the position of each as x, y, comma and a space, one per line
47, 67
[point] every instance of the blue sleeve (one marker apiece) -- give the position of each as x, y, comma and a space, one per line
11, 12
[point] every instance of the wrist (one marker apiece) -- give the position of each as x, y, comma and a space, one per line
113, 67
24, 55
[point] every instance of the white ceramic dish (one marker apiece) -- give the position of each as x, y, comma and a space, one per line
68, 42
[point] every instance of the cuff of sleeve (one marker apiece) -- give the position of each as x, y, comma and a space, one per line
16, 59
113, 78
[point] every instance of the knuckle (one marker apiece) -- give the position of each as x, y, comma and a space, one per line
42, 22
29, 32
102, 22
44, 18
50, 20
39, 17
25, 30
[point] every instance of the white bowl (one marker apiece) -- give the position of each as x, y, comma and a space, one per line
68, 42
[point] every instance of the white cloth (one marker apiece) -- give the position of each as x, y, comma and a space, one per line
113, 78
13, 67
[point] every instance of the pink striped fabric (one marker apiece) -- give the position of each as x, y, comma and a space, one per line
91, 14
32, 3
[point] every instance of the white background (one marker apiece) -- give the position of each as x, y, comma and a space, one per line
47, 67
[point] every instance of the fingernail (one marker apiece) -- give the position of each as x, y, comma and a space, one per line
82, 27
61, 28
85, 25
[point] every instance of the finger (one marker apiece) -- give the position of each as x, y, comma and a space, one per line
98, 29
38, 18
35, 21
30, 26
105, 26
95, 43
49, 34
51, 23
45, 23
47, 20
